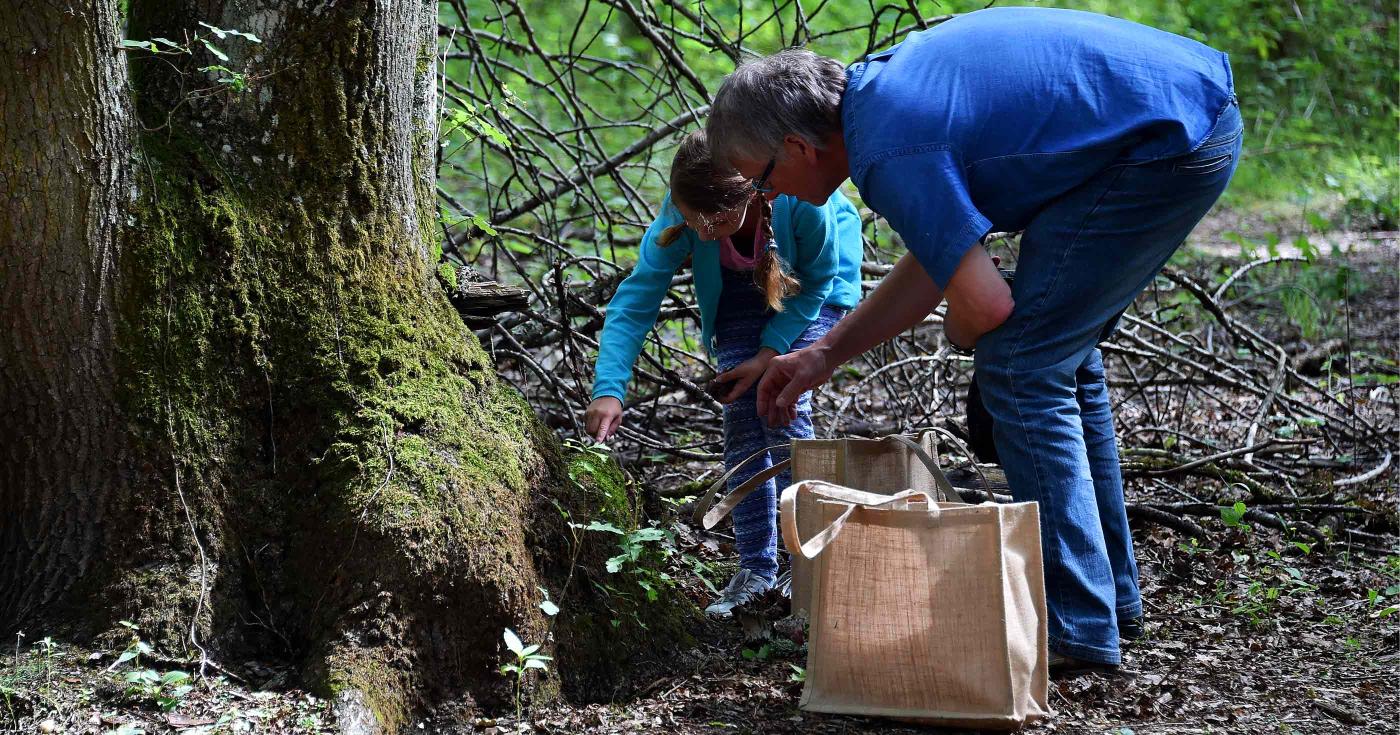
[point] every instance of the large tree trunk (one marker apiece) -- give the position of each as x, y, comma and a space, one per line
230, 370
65, 143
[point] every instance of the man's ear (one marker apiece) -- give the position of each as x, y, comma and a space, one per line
796, 147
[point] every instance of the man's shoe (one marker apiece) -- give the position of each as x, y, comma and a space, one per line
745, 587
1062, 666
1130, 629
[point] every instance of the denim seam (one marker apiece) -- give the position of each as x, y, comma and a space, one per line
1016, 349
1080, 650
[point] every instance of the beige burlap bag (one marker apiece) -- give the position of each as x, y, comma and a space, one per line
924, 611
886, 465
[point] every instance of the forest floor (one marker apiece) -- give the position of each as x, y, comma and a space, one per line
1253, 629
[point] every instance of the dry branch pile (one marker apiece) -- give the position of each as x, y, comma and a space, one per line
1217, 401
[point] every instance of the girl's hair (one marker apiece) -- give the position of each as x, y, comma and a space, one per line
709, 188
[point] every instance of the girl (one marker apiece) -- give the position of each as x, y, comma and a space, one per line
770, 277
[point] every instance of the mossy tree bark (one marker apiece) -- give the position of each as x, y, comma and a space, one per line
238, 408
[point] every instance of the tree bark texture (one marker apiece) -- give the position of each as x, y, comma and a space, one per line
238, 379
64, 145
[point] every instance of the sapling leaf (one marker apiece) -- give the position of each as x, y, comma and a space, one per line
513, 642
529, 650
535, 663
549, 608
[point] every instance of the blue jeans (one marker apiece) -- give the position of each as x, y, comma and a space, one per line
739, 325
1083, 259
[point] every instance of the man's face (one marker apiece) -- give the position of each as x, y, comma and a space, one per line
797, 171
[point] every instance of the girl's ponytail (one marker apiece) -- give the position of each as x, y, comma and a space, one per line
769, 273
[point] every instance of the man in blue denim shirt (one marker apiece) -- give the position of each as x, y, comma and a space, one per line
1105, 141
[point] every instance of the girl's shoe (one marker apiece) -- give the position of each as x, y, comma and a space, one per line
745, 587
784, 584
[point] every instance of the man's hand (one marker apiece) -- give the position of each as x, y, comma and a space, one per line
788, 377
745, 374
603, 417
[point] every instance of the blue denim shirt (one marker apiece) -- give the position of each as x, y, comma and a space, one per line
820, 245
981, 122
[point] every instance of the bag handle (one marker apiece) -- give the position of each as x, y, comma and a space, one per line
852, 498
939, 478
703, 513
972, 459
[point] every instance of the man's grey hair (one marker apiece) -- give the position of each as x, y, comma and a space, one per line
792, 92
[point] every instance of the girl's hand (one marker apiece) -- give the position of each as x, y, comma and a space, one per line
745, 374
603, 417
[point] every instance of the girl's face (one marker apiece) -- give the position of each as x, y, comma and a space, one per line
714, 226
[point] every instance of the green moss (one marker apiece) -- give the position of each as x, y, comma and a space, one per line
602, 481
447, 274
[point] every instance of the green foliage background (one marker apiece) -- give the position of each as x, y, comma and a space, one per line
1317, 81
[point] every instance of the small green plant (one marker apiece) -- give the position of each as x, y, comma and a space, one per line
1233, 516
166, 690
762, 654
526, 658
798, 674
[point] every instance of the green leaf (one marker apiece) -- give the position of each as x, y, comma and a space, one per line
614, 565
513, 642
214, 50
549, 608
535, 663
126, 656
221, 33
174, 677
483, 224
147, 45
251, 38
529, 650
604, 526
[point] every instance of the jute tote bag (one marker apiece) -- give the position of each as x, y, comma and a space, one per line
886, 465
924, 611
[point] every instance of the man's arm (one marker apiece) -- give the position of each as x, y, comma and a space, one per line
978, 299
903, 299
905, 296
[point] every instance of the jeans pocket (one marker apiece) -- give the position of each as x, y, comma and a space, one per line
1201, 165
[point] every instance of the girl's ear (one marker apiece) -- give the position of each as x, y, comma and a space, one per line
795, 147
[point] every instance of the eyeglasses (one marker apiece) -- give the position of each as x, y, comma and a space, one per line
760, 184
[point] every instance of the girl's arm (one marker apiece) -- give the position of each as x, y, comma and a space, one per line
632, 312
820, 232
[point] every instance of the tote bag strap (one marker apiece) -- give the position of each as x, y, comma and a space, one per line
852, 498
942, 479
939, 478
703, 514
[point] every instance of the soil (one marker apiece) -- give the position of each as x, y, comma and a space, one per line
1250, 630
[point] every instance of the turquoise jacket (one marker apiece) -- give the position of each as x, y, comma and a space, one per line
820, 245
